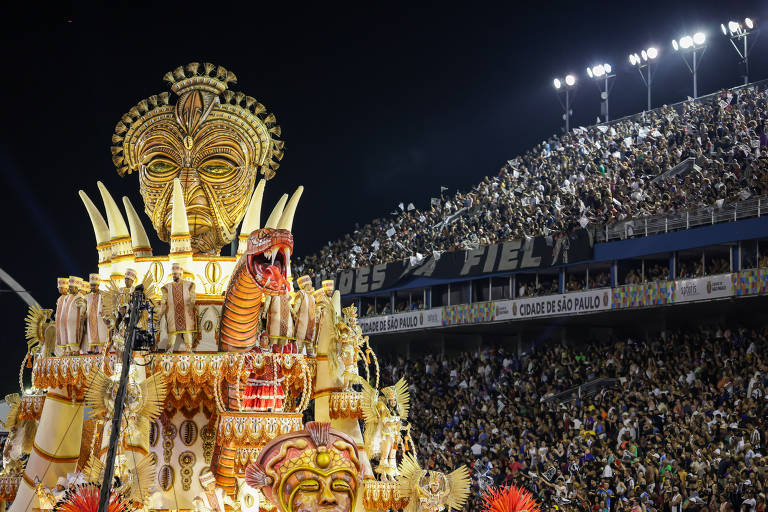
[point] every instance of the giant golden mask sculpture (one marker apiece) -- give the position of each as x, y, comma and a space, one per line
214, 140
313, 470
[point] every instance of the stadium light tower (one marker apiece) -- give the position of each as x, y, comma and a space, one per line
567, 84
735, 31
696, 45
644, 61
602, 73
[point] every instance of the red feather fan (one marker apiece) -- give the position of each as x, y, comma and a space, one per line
85, 498
509, 499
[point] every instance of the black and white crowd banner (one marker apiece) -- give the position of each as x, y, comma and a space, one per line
533, 253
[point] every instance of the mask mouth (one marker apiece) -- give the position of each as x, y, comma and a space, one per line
270, 269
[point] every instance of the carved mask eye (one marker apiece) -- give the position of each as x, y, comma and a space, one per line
160, 167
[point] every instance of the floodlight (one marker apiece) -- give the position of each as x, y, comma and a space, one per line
599, 70
652, 52
631, 59
607, 68
686, 42
674, 45
570, 79
644, 54
749, 23
589, 73
733, 27
699, 38
557, 83
722, 27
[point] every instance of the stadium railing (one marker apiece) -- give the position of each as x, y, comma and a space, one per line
646, 226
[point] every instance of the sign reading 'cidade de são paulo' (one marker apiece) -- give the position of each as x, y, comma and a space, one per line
401, 321
565, 304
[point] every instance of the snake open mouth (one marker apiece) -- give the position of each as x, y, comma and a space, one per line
270, 268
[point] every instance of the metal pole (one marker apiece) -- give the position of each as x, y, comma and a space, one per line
109, 463
567, 111
607, 117
649, 86
695, 95
746, 61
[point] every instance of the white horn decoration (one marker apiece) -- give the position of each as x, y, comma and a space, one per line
181, 241
286, 219
117, 227
100, 228
252, 219
179, 222
274, 217
139, 238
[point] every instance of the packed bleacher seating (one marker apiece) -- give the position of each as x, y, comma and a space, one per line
590, 176
682, 428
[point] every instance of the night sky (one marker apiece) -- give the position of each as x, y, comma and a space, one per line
376, 105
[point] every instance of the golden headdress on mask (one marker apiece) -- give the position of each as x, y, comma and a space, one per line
213, 139
289, 462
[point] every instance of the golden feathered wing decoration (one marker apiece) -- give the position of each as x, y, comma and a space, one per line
36, 322
140, 478
144, 400
403, 398
110, 299
22, 431
413, 483
14, 402
372, 419
150, 290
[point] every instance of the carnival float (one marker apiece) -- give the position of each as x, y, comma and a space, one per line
181, 382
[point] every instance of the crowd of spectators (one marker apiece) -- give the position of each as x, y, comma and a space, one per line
682, 427
590, 176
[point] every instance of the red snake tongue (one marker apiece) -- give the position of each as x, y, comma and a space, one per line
274, 275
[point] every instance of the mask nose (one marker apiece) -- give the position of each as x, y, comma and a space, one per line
191, 185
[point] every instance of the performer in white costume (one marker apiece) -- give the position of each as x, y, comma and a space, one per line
212, 499
97, 330
178, 308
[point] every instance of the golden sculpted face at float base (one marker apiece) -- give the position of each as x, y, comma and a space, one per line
315, 470
214, 140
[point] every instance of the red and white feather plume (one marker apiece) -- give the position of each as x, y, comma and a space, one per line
85, 498
509, 499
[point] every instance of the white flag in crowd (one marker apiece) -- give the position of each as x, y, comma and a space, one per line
583, 221
391, 232
744, 194
656, 133
435, 201
422, 218
719, 203
401, 206
411, 207
603, 128
436, 255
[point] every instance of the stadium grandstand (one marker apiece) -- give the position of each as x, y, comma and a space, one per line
710, 153
590, 322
